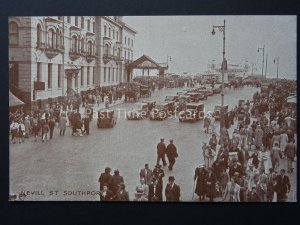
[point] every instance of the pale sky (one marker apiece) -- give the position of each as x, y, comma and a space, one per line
188, 40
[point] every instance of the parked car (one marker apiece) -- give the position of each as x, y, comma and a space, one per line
174, 98
183, 100
106, 118
209, 92
139, 111
159, 112
150, 102
192, 113
217, 111
171, 107
203, 94
194, 96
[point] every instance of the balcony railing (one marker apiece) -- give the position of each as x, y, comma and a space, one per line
118, 59
90, 58
52, 52
74, 55
107, 58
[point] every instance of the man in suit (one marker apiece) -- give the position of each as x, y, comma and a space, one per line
235, 167
171, 152
106, 194
155, 191
283, 186
146, 174
105, 178
161, 151
172, 191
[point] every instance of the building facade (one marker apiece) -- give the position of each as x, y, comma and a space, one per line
58, 56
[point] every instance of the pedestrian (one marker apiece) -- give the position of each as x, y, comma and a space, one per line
213, 142
243, 135
161, 151
86, 122
235, 167
171, 152
116, 180
209, 155
200, 175
106, 194
146, 174
51, 126
155, 191
236, 137
232, 191
250, 136
62, 124
276, 155
27, 126
283, 186
283, 140
35, 129
206, 124
140, 196
121, 193
172, 191
258, 135
105, 178
290, 153
45, 131
144, 187
212, 124
252, 195
14, 126
211, 181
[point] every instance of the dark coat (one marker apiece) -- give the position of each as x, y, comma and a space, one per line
172, 194
157, 196
171, 151
115, 181
122, 197
210, 188
283, 185
161, 148
233, 169
200, 174
104, 178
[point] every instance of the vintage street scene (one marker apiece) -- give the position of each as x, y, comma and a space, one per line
153, 108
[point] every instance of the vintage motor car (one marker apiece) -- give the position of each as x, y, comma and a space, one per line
159, 112
171, 107
202, 94
194, 96
209, 92
217, 111
174, 98
106, 118
179, 93
192, 113
217, 90
150, 102
182, 101
139, 111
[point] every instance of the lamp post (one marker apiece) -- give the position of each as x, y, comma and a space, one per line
277, 60
263, 60
221, 29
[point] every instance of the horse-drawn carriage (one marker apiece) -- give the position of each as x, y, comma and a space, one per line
131, 91
145, 91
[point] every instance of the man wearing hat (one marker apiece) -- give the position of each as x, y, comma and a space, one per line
105, 178
161, 151
139, 196
115, 181
106, 194
200, 175
155, 191
283, 186
171, 152
172, 191
235, 167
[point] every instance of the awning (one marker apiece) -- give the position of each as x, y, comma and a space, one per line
292, 100
14, 101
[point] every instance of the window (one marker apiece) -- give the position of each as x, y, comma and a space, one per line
76, 82
128, 55
117, 75
88, 25
51, 38
128, 41
125, 40
109, 34
119, 53
88, 76
74, 44
38, 72
113, 34
93, 27
105, 30
49, 75
94, 75
113, 75
59, 70
82, 22
13, 33
61, 40
39, 35
76, 20
106, 49
117, 35
108, 79
131, 43
57, 39
82, 76
120, 74
90, 48
69, 19
104, 77
82, 45
125, 54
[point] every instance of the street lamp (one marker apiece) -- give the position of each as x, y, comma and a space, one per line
277, 60
263, 60
221, 29
169, 58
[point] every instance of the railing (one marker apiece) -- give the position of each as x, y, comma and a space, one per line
74, 55
107, 58
90, 58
